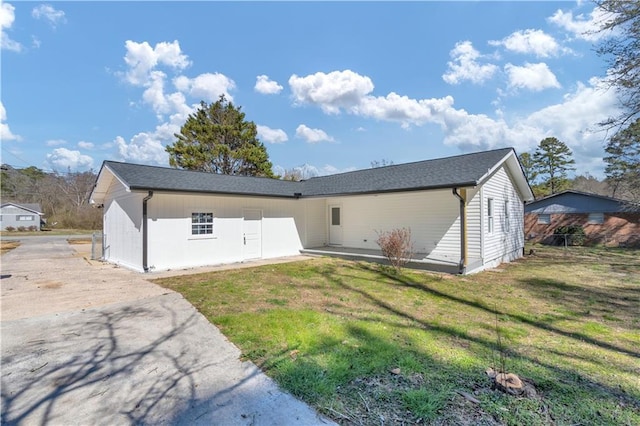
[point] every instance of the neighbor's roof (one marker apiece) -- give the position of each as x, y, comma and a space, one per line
579, 202
459, 171
32, 207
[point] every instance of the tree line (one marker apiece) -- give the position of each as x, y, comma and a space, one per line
64, 198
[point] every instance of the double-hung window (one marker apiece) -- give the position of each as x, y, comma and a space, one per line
544, 218
597, 218
24, 217
490, 215
202, 223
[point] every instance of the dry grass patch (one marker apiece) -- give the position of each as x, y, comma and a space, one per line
6, 246
366, 346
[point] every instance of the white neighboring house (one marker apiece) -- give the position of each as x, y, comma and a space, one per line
465, 213
16, 216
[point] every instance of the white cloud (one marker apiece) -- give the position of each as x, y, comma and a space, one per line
312, 135
530, 41
403, 109
55, 142
207, 87
141, 59
85, 145
143, 147
5, 131
49, 13
581, 26
7, 16
266, 86
272, 135
465, 65
62, 158
534, 77
333, 91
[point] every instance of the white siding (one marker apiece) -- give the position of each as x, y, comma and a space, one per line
506, 242
433, 217
474, 225
123, 227
316, 222
9, 217
172, 246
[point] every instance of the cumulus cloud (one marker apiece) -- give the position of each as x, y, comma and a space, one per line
7, 17
403, 109
55, 142
141, 59
535, 42
85, 145
207, 86
5, 131
465, 65
312, 135
534, 77
266, 86
50, 14
333, 91
585, 27
63, 159
270, 135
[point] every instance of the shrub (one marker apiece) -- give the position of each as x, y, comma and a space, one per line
573, 233
33, 228
396, 245
21, 229
10, 228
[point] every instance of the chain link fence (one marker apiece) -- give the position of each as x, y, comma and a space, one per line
97, 246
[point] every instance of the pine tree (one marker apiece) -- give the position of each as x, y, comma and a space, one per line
218, 139
553, 159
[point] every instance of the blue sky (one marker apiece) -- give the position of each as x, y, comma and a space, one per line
332, 86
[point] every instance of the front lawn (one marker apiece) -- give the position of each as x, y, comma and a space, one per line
366, 347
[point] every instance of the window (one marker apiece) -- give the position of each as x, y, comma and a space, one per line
24, 217
507, 217
596, 218
335, 216
544, 219
490, 215
201, 223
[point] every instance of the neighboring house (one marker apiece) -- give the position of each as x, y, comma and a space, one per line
605, 220
16, 215
465, 212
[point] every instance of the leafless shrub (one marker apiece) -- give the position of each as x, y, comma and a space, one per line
396, 245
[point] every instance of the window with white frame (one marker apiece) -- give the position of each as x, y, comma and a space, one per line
24, 217
544, 219
596, 218
490, 215
507, 217
202, 223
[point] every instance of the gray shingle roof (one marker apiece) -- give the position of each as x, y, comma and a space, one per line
460, 170
34, 207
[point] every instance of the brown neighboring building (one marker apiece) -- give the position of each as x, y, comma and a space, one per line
605, 220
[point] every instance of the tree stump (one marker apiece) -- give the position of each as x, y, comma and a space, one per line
510, 384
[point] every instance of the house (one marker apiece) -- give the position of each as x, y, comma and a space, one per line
605, 220
17, 216
465, 213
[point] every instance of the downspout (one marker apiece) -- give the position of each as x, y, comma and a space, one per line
145, 231
462, 266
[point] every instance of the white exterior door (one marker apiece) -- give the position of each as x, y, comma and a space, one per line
335, 225
252, 234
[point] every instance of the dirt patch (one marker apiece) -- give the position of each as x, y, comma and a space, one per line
52, 285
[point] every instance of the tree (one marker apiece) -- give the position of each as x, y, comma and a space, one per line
622, 49
623, 162
553, 159
529, 167
218, 139
382, 163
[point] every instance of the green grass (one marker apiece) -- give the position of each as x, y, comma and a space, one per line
359, 343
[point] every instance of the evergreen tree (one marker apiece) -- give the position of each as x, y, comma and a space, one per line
553, 159
623, 162
218, 139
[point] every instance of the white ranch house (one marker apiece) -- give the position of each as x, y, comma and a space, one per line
14, 216
465, 213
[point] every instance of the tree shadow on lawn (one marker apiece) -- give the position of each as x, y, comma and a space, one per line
404, 282
555, 373
91, 363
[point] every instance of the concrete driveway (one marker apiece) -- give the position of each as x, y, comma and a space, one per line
97, 344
